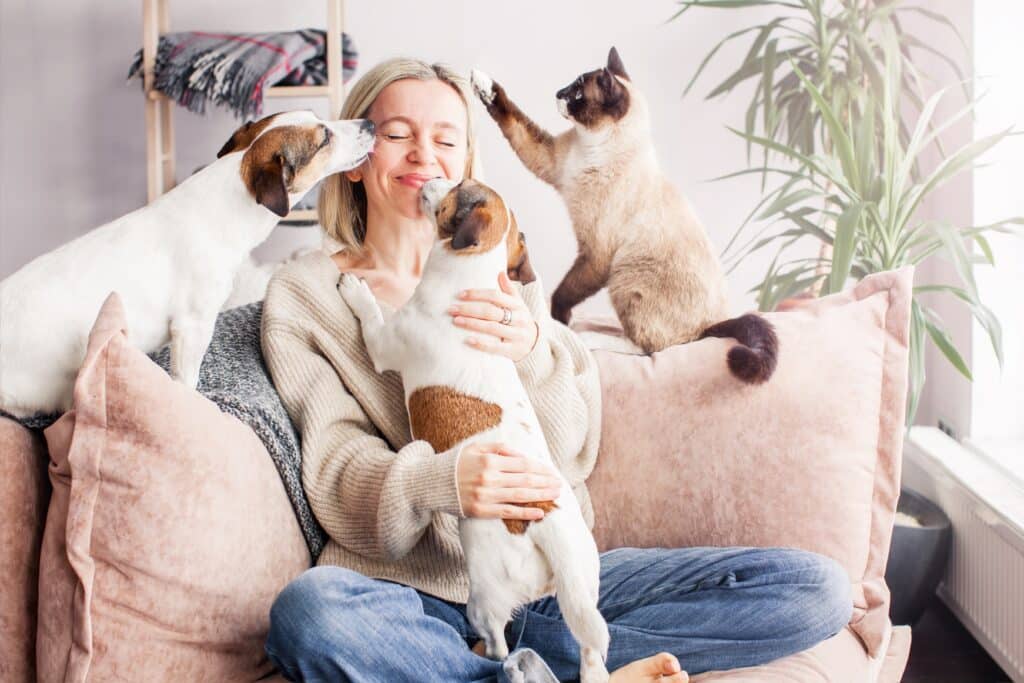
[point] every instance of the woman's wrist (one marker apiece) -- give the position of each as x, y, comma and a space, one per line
536, 338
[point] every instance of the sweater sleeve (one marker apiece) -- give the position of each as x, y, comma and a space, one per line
561, 378
370, 499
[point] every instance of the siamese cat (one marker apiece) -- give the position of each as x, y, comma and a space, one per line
636, 233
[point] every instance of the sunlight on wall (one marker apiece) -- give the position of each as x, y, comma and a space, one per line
998, 398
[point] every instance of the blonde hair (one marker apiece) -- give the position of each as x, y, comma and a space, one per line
342, 203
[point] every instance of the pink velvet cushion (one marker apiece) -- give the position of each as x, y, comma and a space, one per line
24, 494
169, 533
690, 456
840, 659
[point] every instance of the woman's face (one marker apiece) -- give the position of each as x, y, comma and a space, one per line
421, 134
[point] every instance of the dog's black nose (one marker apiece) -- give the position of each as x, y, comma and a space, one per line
563, 94
367, 126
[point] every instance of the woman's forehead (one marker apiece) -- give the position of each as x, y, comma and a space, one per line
430, 104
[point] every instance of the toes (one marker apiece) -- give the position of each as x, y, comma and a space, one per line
680, 677
667, 663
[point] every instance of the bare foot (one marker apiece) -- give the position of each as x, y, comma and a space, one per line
661, 668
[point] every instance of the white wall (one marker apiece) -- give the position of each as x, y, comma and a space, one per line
72, 149
947, 393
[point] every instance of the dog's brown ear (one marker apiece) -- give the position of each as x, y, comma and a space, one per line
269, 185
519, 268
615, 64
239, 140
468, 233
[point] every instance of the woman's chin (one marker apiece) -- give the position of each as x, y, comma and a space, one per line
412, 210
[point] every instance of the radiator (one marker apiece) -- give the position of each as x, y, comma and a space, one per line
984, 582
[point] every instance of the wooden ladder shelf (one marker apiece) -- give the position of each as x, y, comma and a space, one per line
160, 124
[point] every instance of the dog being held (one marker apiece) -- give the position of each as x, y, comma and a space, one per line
456, 394
173, 261
636, 234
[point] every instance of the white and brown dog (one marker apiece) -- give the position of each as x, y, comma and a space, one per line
456, 394
173, 261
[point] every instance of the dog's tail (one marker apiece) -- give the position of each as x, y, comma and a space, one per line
576, 577
753, 360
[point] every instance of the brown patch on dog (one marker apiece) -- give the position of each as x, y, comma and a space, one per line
518, 526
243, 137
473, 216
445, 213
280, 161
443, 417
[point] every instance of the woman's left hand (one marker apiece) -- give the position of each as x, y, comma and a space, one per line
482, 310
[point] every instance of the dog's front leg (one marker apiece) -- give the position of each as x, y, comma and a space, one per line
381, 343
190, 337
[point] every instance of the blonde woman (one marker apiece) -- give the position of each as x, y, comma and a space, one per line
387, 599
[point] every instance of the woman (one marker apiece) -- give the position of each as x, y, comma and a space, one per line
387, 601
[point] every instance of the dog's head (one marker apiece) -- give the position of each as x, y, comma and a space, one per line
286, 154
471, 218
597, 97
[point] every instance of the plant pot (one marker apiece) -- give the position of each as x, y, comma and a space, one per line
917, 557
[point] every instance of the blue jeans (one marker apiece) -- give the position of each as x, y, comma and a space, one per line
714, 608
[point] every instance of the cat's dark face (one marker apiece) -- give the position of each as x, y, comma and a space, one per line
596, 97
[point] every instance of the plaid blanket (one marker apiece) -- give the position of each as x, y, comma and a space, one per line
232, 70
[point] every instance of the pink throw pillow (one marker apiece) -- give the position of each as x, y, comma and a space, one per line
24, 494
691, 456
169, 532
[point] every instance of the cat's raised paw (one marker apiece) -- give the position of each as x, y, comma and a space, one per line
483, 86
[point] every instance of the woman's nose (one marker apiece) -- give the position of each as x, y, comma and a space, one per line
422, 151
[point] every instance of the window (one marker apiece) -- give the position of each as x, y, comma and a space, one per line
997, 398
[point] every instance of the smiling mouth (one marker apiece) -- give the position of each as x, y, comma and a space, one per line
415, 180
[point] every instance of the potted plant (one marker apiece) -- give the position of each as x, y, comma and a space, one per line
840, 117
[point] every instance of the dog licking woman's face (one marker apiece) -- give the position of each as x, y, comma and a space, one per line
421, 135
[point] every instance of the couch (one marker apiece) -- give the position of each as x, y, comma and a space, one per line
146, 532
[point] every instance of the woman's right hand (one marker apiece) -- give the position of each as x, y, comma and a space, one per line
492, 478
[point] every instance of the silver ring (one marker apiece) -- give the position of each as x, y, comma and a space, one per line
506, 319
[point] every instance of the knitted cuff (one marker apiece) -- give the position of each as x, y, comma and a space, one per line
436, 486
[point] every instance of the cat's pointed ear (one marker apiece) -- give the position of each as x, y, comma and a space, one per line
615, 64
608, 83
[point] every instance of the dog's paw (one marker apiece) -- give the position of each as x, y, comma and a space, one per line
358, 296
483, 86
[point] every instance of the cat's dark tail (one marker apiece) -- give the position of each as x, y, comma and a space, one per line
753, 360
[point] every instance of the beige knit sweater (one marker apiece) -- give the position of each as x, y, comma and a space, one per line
390, 504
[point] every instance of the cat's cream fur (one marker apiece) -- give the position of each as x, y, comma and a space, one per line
636, 233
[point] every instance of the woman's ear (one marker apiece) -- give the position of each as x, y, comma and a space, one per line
354, 176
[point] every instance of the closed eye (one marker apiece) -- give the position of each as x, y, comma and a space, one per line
326, 140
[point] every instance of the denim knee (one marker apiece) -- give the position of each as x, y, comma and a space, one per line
831, 606
308, 606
